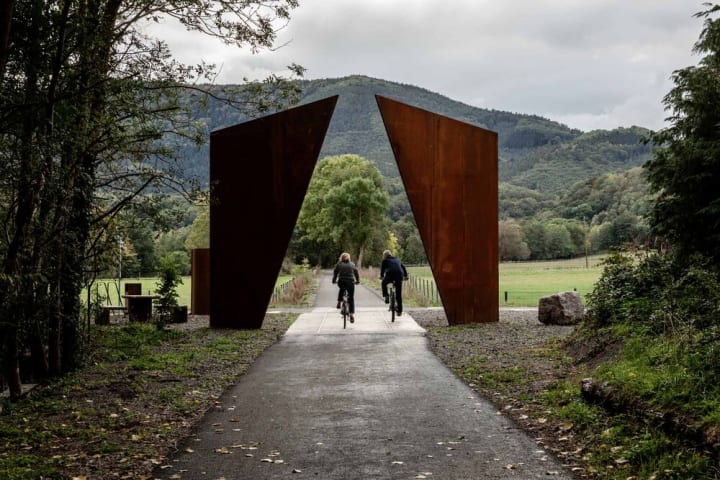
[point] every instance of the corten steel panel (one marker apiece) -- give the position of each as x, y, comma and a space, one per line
449, 169
259, 173
200, 282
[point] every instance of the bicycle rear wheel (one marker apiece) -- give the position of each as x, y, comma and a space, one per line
392, 306
344, 309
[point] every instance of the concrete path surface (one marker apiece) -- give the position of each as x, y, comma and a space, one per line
367, 402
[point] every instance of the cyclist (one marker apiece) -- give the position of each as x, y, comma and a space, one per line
346, 275
392, 270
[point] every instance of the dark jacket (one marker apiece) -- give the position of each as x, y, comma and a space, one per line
346, 271
393, 269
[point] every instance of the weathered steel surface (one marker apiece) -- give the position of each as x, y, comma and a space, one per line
200, 282
259, 173
449, 169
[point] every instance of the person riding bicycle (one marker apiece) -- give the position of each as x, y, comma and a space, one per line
346, 275
392, 270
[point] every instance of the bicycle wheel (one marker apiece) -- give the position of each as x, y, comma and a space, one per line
392, 306
344, 309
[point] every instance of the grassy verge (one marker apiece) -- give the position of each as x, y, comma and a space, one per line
653, 424
297, 291
522, 284
120, 416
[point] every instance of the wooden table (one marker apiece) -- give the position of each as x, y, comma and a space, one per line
140, 307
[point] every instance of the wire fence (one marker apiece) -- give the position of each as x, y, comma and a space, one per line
281, 290
425, 287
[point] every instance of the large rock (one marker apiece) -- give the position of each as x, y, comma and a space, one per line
564, 308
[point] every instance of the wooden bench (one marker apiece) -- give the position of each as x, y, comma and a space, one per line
103, 317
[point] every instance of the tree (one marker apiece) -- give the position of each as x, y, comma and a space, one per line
88, 105
511, 243
167, 290
345, 204
199, 235
685, 170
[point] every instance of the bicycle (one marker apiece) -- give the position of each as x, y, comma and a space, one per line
344, 308
392, 301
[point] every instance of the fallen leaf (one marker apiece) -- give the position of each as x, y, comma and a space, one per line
266, 460
223, 450
397, 462
189, 450
296, 470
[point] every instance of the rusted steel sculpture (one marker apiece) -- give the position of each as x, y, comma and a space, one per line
449, 169
259, 173
200, 282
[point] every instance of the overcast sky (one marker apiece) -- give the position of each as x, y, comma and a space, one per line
586, 63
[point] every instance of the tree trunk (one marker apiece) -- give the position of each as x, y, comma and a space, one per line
11, 364
39, 358
6, 10
360, 256
12, 296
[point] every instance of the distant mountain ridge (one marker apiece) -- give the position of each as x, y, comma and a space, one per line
534, 152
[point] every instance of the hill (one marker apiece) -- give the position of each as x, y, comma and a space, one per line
534, 152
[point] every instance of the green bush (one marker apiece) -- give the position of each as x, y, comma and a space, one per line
656, 290
170, 278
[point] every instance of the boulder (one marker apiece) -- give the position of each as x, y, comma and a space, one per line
564, 308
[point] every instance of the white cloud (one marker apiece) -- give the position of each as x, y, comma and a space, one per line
598, 64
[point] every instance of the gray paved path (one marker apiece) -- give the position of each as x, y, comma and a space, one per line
367, 402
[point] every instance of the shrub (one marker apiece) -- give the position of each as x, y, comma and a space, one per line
167, 290
656, 290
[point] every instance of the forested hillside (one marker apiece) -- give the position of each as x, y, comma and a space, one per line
564, 190
534, 152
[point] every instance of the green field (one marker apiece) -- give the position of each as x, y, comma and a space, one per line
526, 282
149, 286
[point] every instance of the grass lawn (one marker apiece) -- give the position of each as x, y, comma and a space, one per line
108, 287
526, 282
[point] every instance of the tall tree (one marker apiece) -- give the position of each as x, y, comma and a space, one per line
88, 103
685, 171
345, 204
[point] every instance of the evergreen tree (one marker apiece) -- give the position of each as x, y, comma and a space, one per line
685, 172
